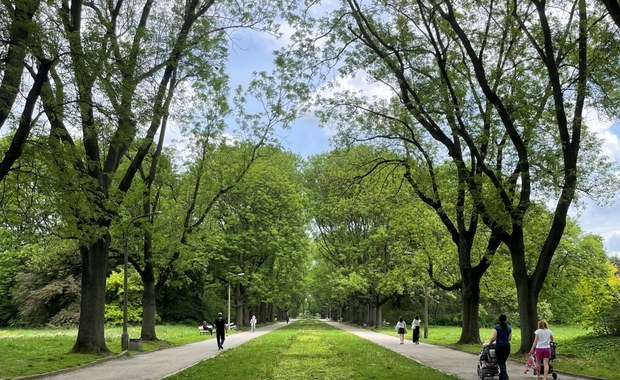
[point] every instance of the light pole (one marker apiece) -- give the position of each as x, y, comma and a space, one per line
124, 335
425, 288
228, 319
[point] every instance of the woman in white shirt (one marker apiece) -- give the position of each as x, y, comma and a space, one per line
542, 347
401, 328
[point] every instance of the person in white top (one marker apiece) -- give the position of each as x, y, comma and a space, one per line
542, 347
401, 328
253, 323
415, 326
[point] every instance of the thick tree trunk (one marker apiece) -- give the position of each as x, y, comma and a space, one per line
91, 338
149, 309
470, 299
528, 313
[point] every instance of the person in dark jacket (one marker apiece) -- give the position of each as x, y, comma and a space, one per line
502, 334
221, 325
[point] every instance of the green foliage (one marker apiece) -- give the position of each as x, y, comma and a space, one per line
603, 309
114, 298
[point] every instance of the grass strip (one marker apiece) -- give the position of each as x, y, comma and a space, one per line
310, 349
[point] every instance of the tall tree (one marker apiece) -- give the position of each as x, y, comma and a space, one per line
489, 94
125, 58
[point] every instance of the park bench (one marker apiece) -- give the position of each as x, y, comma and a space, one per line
209, 330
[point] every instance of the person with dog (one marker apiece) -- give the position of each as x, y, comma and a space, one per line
502, 334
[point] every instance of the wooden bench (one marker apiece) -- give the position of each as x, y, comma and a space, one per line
203, 331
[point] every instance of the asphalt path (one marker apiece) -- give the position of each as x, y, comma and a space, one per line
454, 362
162, 363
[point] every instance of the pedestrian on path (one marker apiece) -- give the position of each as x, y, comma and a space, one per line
221, 325
253, 323
415, 326
542, 347
502, 334
401, 328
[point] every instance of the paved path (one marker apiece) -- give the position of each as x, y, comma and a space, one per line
458, 363
162, 363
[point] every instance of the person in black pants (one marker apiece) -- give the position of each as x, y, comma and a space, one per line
220, 330
502, 334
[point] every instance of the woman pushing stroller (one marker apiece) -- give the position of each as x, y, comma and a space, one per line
542, 347
502, 334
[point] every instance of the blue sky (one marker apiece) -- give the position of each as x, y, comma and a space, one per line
254, 53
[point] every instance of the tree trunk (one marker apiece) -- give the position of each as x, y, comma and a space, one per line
91, 338
470, 299
528, 313
149, 309
238, 305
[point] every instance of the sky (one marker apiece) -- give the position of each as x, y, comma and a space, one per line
253, 52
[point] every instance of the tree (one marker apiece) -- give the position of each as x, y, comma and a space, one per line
262, 223
20, 32
491, 96
117, 88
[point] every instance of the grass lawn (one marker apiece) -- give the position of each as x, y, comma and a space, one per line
29, 351
310, 349
579, 351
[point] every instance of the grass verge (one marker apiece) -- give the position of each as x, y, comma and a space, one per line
310, 349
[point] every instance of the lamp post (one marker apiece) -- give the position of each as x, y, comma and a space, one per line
228, 319
124, 335
425, 288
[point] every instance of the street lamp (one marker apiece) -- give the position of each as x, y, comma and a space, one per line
424, 287
124, 335
228, 320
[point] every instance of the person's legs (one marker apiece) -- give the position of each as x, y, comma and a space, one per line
502, 352
546, 365
539, 361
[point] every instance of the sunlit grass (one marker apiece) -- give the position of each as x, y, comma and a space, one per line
35, 351
310, 349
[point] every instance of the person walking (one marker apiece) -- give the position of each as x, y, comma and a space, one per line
502, 334
415, 326
542, 348
253, 323
401, 328
221, 325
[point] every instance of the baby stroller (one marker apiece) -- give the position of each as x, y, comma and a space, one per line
487, 362
540, 366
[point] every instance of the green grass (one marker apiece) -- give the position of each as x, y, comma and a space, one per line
310, 349
29, 351
579, 351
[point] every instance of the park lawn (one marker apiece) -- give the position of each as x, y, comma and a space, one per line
35, 351
579, 351
310, 349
